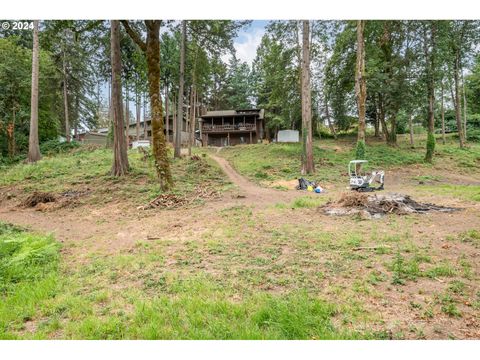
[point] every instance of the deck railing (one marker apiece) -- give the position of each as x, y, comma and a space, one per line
222, 128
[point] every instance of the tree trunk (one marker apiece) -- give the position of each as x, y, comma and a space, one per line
174, 121
442, 109
458, 116
377, 118
120, 158
137, 108
145, 132
110, 116
191, 123
11, 135
33, 144
160, 150
151, 48
329, 120
65, 97
127, 115
430, 60
464, 109
178, 135
381, 116
308, 165
392, 134
360, 82
167, 115
410, 127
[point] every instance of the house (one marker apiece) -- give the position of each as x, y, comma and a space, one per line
231, 127
91, 137
146, 130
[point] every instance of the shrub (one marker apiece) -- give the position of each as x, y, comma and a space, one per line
51, 147
360, 150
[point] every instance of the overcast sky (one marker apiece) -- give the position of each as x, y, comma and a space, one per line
248, 40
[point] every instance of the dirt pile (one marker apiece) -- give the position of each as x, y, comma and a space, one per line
378, 205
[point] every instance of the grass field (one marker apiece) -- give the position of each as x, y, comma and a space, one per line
236, 268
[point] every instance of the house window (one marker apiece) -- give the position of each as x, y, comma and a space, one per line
149, 133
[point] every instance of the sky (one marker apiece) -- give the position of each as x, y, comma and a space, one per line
248, 40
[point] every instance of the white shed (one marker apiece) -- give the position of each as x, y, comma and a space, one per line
287, 136
140, 143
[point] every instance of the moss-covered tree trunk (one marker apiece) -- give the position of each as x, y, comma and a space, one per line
160, 151
151, 48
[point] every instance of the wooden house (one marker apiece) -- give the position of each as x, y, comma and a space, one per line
231, 127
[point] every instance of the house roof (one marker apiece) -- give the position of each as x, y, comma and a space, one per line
95, 134
234, 113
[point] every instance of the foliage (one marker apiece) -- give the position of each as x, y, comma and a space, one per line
54, 146
28, 274
360, 150
15, 80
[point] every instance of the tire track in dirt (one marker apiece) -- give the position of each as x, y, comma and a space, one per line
253, 193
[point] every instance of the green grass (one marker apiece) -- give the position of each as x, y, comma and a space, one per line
308, 202
86, 169
270, 162
465, 192
41, 299
471, 236
28, 275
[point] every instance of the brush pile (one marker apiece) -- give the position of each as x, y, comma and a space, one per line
378, 205
45, 201
173, 201
38, 198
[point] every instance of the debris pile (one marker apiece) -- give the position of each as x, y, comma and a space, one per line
172, 201
38, 198
165, 201
45, 201
376, 206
